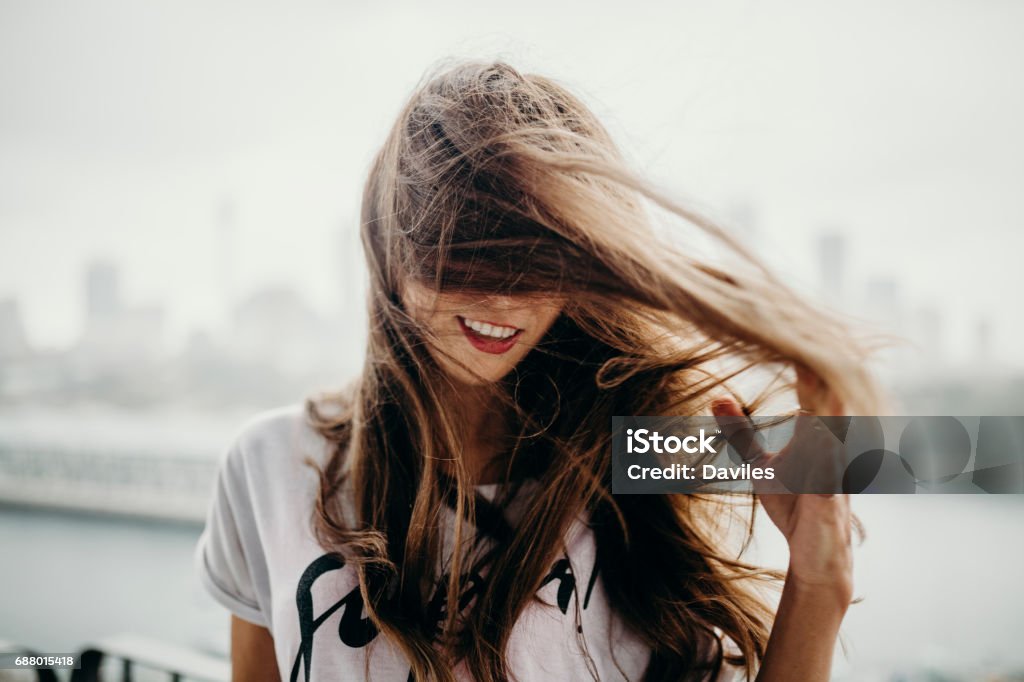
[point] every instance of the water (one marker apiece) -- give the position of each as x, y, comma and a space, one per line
68, 579
940, 577
941, 587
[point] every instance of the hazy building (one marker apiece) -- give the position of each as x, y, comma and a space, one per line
12, 333
983, 347
276, 328
116, 335
102, 290
882, 307
831, 255
227, 247
882, 298
929, 334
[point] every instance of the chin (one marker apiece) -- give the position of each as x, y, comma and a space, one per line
481, 369
480, 377
482, 374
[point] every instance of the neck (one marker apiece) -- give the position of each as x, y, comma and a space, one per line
484, 428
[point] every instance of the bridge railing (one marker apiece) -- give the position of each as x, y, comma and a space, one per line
132, 658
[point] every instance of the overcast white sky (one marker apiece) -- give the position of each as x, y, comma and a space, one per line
124, 126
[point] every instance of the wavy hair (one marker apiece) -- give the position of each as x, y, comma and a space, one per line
493, 180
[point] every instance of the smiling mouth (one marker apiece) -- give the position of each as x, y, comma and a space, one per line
487, 336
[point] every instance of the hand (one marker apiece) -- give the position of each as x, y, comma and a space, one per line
816, 527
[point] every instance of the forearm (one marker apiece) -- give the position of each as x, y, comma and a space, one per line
803, 637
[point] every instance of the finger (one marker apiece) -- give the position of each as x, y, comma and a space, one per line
807, 389
738, 430
814, 395
812, 460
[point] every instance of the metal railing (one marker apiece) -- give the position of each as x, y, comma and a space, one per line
123, 657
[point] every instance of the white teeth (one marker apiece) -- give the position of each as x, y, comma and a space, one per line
489, 329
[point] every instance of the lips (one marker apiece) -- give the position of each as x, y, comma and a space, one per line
489, 337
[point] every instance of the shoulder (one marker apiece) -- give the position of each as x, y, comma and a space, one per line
274, 427
273, 443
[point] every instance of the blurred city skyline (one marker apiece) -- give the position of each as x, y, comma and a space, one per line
271, 345
205, 152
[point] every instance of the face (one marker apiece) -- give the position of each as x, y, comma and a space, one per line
488, 334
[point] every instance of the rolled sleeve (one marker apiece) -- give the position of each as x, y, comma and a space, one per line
228, 556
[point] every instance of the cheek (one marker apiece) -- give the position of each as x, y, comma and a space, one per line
548, 317
539, 326
426, 307
415, 301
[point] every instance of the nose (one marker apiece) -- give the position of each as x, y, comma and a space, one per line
499, 301
504, 302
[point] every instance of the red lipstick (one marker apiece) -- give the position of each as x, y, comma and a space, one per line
488, 344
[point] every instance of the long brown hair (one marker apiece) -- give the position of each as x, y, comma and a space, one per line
492, 180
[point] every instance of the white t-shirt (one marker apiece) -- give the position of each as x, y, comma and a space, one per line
257, 556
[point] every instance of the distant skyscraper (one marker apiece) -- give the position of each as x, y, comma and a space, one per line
12, 333
832, 264
226, 245
275, 327
983, 341
929, 333
116, 334
102, 290
883, 302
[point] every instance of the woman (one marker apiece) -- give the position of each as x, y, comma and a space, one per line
457, 520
